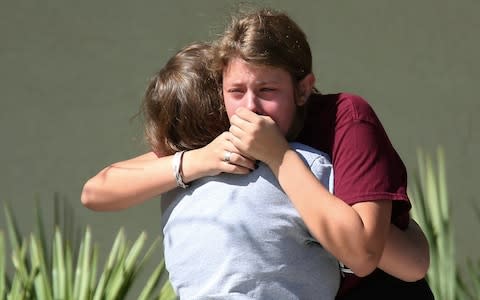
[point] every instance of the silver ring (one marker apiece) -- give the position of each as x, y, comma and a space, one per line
226, 156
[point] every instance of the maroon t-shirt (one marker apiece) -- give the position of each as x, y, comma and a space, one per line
366, 167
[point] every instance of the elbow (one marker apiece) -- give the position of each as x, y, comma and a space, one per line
416, 273
424, 265
424, 262
97, 198
365, 263
88, 197
416, 276
421, 268
421, 263
364, 269
422, 253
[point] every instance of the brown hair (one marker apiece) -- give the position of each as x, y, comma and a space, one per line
266, 37
271, 38
182, 106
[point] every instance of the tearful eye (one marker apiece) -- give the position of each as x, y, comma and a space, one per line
267, 90
235, 93
235, 90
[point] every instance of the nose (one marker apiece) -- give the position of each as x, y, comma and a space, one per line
252, 102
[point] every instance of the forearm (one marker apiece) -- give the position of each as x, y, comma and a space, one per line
348, 236
354, 239
406, 253
133, 181
127, 183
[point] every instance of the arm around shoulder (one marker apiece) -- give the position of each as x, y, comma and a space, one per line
127, 183
130, 182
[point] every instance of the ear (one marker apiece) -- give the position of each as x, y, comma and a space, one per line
305, 87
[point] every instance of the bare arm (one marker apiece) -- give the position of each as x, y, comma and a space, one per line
126, 183
356, 234
360, 236
130, 182
406, 253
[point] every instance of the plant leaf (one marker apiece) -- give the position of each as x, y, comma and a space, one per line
59, 270
41, 231
35, 278
85, 280
12, 227
3, 272
167, 292
41, 283
68, 270
78, 271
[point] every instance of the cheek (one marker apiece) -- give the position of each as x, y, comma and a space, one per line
283, 116
230, 106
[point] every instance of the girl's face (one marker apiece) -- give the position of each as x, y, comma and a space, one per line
264, 90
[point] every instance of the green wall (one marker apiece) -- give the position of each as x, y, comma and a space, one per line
72, 74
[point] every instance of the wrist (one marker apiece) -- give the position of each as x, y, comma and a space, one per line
192, 166
278, 159
177, 163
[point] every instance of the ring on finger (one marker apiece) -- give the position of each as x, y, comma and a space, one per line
226, 156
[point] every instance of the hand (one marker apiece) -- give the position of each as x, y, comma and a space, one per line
257, 137
212, 157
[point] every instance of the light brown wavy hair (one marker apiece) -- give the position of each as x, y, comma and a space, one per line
270, 38
182, 107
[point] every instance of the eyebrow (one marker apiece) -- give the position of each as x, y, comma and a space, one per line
267, 81
257, 83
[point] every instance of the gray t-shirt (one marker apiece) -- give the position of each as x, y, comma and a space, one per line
239, 237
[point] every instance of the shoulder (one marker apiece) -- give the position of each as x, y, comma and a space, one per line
351, 107
311, 155
346, 107
319, 163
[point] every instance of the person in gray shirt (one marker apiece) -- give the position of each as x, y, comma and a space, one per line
240, 237
233, 236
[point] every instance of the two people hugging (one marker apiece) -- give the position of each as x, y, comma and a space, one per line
270, 189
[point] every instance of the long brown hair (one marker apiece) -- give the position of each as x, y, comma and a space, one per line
182, 107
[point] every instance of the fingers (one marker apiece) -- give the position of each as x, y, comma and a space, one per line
242, 122
239, 129
247, 114
246, 126
234, 169
237, 136
244, 116
229, 158
237, 160
243, 130
239, 142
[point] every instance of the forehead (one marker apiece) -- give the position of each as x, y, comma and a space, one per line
239, 71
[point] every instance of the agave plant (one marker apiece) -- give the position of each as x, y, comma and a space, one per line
431, 209
70, 272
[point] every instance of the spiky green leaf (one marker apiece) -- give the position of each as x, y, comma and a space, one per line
3, 272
